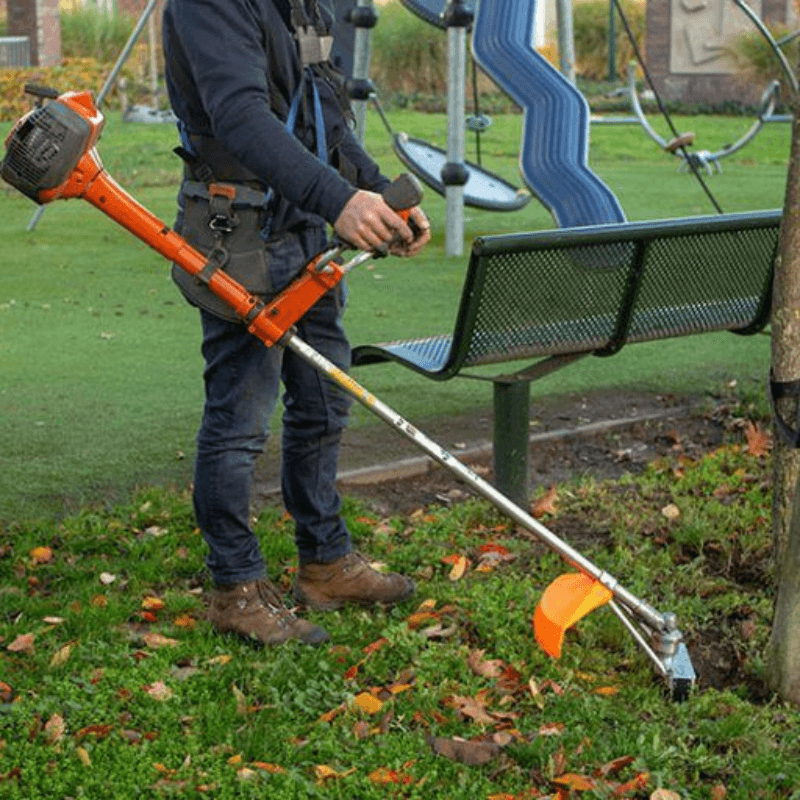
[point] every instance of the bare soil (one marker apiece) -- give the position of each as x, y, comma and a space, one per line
602, 435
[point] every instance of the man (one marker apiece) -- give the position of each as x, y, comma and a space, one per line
262, 111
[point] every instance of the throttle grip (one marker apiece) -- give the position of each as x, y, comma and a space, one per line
403, 194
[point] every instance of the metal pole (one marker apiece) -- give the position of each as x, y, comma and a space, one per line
454, 172
612, 42
645, 612
126, 51
364, 18
566, 39
512, 403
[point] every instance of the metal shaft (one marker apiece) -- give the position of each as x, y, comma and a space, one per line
637, 607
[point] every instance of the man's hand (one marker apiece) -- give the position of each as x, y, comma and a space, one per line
419, 223
367, 223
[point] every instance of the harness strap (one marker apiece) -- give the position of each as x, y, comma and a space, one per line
777, 391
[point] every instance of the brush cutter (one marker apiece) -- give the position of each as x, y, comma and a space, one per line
51, 154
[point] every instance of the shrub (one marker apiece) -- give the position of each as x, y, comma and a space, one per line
89, 33
759, 63
591, 23
409, 55
71, 74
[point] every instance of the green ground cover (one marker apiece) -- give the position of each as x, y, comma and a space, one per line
99, 354
113, 685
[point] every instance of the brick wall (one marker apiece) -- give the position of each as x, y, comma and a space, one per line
38, 20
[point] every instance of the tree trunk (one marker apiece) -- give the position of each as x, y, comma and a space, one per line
783, 652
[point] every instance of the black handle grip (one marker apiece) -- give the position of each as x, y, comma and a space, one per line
404, 192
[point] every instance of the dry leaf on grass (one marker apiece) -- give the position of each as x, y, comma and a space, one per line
484, 668
546, 504
62, 655
473, 753
54, 729
368, 702
156, 640
382, 775
41, 555
158, 690
22, 644
459, 566
759, 441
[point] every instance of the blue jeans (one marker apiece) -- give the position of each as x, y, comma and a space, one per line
242, 381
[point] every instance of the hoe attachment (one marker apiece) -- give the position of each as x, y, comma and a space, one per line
51, 154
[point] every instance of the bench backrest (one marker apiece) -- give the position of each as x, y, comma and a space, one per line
594, 289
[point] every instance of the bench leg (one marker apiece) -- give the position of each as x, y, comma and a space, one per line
511, 411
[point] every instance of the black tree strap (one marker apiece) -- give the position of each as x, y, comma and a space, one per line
777, 391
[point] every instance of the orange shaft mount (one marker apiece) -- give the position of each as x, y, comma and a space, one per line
268, 322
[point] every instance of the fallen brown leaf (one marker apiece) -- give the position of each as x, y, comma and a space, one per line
158, 690
575, 782
375, 646
635, 784
382, 775
473, 753
459, 565
759, 441
22, 644
98, 731
545, 504
156, 640
273, 769
482, 667
613, 767
54, 729
41, 555
329, 716
474, 708
322, 772
62, 655
552, 729
368, 702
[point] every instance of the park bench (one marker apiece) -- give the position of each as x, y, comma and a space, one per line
558, 295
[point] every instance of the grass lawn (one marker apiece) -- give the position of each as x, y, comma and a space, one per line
100, 356
112, 683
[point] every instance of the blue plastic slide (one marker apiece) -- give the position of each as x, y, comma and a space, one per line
555, 135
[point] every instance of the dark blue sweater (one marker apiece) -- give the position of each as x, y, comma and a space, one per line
232, 71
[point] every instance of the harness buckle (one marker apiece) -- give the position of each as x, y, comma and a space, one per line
312, 47
221, 216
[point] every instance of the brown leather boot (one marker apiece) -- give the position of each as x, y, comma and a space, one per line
255, 611
349, 579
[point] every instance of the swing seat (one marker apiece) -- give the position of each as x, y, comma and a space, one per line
483, 189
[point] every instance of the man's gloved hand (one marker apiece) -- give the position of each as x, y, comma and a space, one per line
367, 223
